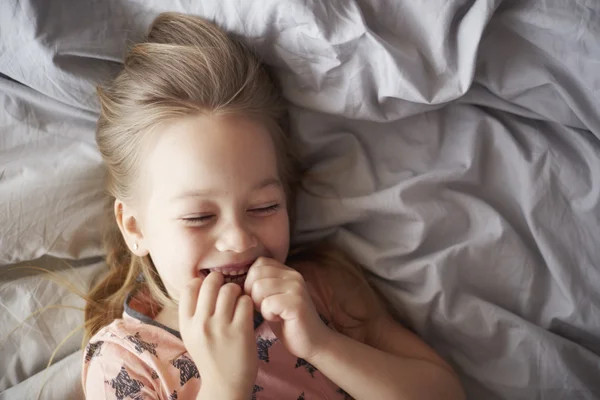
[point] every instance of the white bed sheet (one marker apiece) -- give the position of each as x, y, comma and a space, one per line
473, 199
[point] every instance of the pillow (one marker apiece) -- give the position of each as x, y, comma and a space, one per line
51, 179
30, 334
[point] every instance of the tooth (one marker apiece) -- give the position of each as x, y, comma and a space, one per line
230, 272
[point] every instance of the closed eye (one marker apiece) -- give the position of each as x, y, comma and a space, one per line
204, 219
200, 220
264, 211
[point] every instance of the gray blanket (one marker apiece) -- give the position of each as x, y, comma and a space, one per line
459, 141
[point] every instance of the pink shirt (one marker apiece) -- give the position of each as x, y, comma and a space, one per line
136, 357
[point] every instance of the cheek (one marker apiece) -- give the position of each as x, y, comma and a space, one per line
277, 237
177, 249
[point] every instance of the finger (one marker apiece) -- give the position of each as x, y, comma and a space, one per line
244, 313
226, 300
281, 307
271, 286
208, 293
264, 268
189, 297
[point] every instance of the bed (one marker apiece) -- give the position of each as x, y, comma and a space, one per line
465, 140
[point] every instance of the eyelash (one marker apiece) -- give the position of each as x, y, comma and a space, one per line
205, 218
266, 210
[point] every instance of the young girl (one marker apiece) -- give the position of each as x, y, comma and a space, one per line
204, 298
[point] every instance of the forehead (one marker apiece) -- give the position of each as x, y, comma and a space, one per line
216, 153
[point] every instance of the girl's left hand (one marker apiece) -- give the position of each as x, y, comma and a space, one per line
281, 295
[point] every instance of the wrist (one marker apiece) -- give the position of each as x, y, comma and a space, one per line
328, 338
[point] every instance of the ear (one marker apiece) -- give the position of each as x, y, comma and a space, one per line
130, 227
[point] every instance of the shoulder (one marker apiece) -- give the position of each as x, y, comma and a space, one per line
127, 352
110, 368
115, 345
130, 335
342, 297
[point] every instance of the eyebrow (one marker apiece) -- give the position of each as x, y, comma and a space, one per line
209, 192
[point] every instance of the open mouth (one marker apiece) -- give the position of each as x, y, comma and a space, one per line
238, 279
231, 275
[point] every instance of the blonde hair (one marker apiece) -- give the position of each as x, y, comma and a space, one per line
185, 66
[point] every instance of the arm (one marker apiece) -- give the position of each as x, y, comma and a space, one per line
399, 366
393, 364
378, 358
216, 325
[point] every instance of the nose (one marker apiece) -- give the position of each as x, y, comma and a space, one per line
236, 237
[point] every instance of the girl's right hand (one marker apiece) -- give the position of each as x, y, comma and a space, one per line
216, 324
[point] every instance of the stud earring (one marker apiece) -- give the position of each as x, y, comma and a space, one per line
135, 246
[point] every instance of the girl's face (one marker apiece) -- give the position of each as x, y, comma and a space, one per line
210, 198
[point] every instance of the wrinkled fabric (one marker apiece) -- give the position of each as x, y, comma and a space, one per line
456, 142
